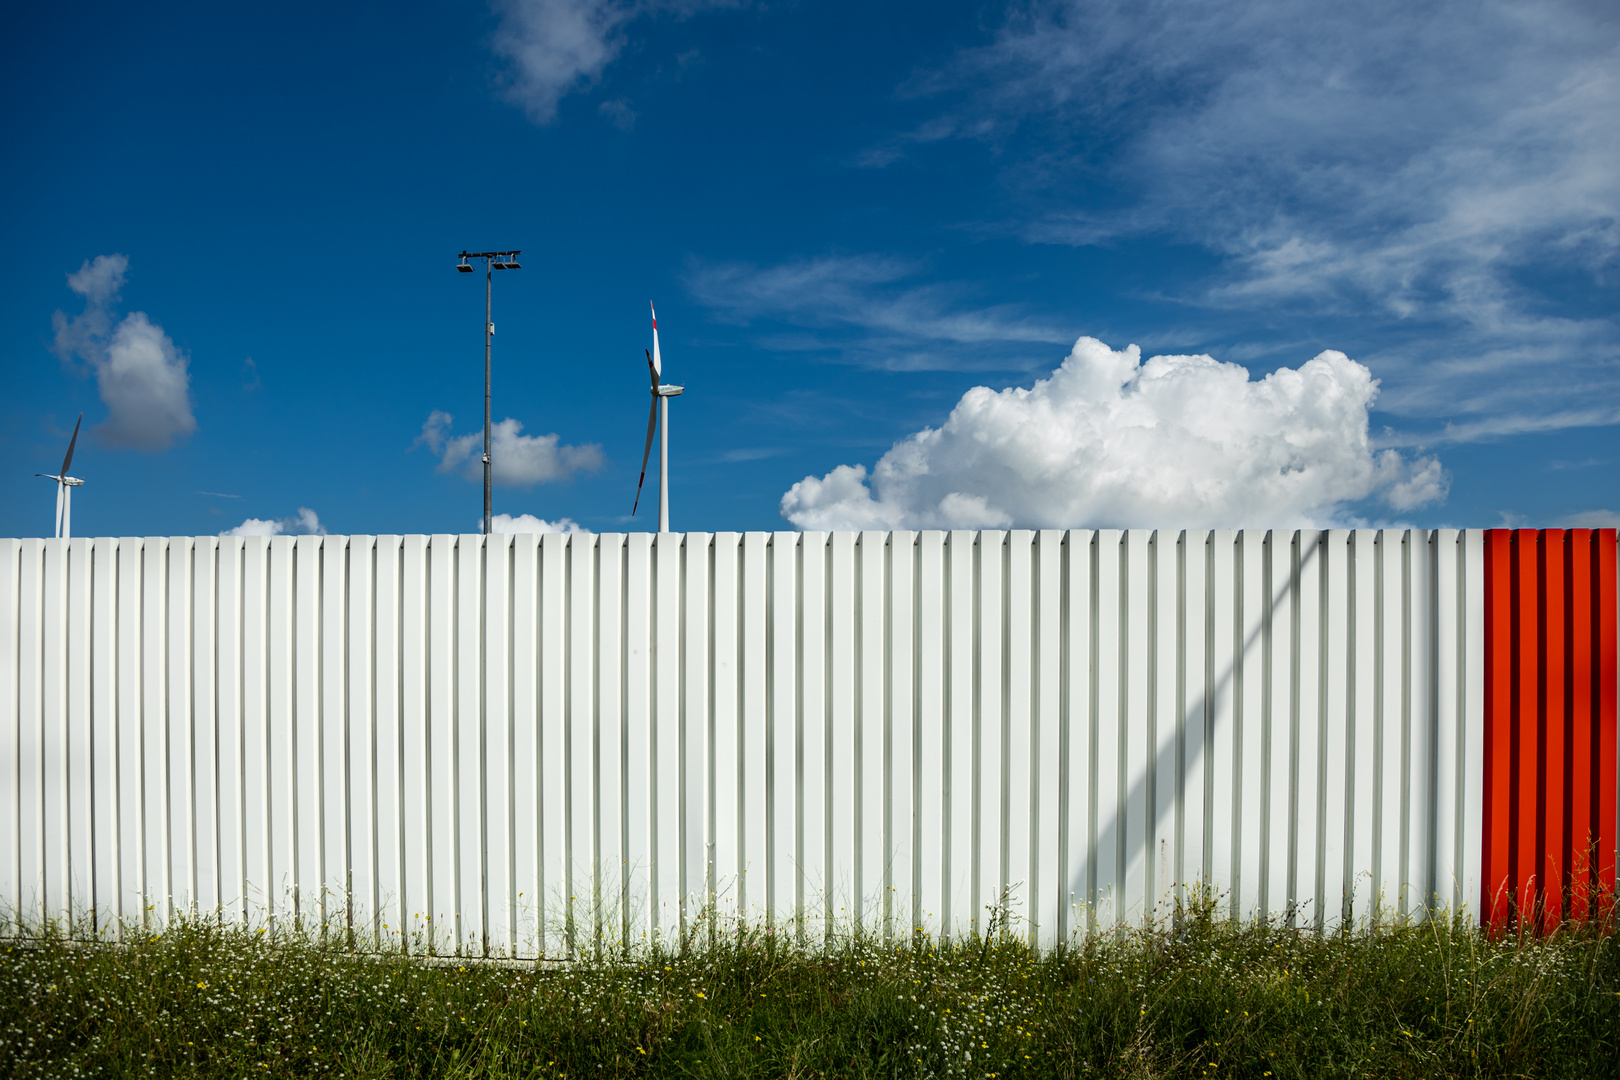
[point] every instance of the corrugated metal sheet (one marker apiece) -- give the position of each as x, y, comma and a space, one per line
535, 743
1550, 620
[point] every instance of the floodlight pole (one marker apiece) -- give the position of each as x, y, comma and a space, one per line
493, 260
489, 332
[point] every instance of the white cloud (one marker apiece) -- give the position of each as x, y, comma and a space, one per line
1440, 172
1108, 440
305, 521
528, 523
146, 387
142, 378
556, 47
519, 460
100, 280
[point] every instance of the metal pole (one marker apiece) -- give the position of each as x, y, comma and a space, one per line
488, 274
663, 464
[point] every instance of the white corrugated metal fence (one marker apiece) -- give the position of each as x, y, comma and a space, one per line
523, 745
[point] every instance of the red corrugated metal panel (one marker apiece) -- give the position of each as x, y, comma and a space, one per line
1606, 827
1549, 833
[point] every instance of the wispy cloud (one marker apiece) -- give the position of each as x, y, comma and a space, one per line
1592, 519
750, 453
619, 113
1413, 167
872, 310
1497, 427
142, 378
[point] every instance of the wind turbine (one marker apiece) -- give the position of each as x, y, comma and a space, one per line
64, 488
661, 393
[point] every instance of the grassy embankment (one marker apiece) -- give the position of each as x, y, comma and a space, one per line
1199, 996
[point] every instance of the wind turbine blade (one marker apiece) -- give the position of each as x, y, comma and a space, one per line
657, 360
652, 425
60, 488
652, 371
67, 461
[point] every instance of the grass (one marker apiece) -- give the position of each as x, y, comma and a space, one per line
1196, 996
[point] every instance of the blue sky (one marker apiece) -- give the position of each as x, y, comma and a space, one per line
849, 219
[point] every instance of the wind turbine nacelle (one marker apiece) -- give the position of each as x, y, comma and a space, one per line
665, 390
72, 481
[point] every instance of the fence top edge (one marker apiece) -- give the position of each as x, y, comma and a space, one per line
799, 538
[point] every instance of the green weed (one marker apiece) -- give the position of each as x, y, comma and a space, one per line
1196, 995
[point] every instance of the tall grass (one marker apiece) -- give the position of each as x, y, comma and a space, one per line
1195, 996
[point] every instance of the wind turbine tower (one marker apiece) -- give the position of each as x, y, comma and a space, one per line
657, 418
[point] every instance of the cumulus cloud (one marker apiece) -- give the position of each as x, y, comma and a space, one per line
142, 378
305, 521
520, 460
528, 523
556, 47
1108, 440
1441, 173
